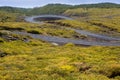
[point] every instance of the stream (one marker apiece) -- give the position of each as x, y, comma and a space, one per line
112, 41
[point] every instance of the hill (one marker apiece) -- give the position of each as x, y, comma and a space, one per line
50, 9
55, 8
98, 5
13, 9
60, 8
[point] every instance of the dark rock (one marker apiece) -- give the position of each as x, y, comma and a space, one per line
3, 54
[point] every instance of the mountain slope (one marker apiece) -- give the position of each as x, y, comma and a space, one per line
55, 8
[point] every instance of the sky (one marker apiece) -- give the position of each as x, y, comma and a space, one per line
38, 3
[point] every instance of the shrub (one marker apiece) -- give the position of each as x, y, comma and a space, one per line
34, 32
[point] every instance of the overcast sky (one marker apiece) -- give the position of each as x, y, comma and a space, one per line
37, 3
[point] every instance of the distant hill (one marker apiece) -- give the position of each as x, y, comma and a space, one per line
13, 9
51, 9
60, 8
55, 8
98, 5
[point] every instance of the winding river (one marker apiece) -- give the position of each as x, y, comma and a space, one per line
112, 41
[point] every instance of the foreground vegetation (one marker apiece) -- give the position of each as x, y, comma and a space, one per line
37, 60
25, 58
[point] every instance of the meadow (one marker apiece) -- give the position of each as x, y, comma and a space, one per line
25, 58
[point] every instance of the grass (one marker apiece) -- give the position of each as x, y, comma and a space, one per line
45, 29
39, 60
104, 21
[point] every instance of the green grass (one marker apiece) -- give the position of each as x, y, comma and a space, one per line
39, 60
45, 29
98, 20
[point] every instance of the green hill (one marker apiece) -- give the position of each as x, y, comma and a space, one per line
98, 5
55, 8
60, 8
14, 9
50, 9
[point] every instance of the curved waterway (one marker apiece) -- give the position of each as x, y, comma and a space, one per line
112, 41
